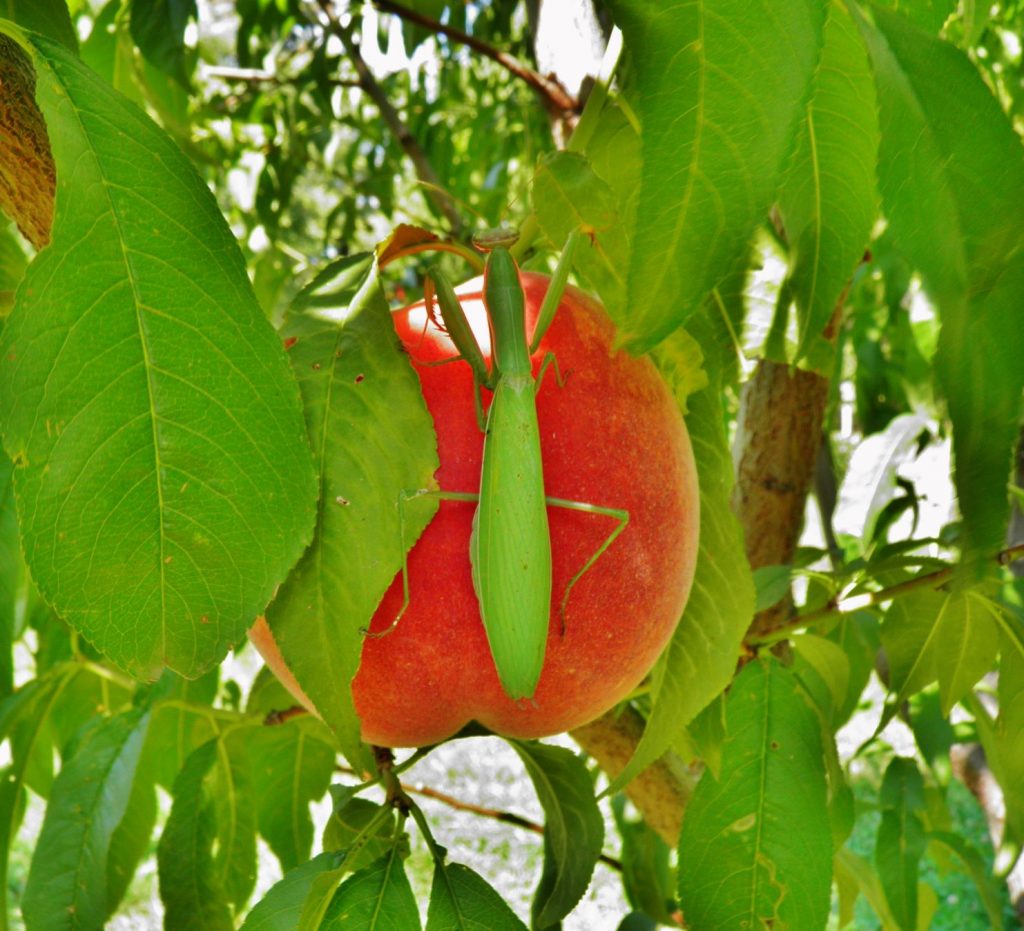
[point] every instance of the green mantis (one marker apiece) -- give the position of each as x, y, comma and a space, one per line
510, 546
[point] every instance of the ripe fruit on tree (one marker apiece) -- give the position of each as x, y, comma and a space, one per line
611, 435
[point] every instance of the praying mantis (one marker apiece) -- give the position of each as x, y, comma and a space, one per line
510, 544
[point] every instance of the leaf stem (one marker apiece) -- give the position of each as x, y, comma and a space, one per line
551, 91
839, 605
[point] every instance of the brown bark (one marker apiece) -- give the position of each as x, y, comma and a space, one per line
778, 435
662, 791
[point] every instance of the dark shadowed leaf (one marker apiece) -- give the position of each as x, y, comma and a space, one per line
235, 812
573, 828
462, 900
47, 17
164, 480
290, 766
377, 898
647, 875
901, 840
67, 883
130, 841
737, 75
281, 907
756, 845
361, 398
158, 28
190, 886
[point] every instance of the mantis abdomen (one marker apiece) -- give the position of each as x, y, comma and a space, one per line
511, 546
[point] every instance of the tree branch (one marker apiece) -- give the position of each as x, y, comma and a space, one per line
496, 814
556, 98
410, 145
662, 791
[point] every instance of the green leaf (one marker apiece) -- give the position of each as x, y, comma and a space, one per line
854, 874
573, 828
462, 900
568, 193
928, 14
901, 840
12, 575
857, 636
701, 658
235, 814
1002, 740
180, 723
823, 668
13, 263
190, 885
647, 876
67, 883
360, 829
158, 28
828, 201
130, 842
975, 867
929, 635
372, 438
756, 845
951, 174
47, 17
772, 585
281, 907
163, 478
291, 766
377, 898
28, 709
735, 79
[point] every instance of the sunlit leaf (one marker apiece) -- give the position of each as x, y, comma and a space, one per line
828, 202
951, 173
362, 400
158, 28
163, 477
736, 75
756, 843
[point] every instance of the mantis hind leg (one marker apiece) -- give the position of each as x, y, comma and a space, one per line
620, 515
549, 360
403, 498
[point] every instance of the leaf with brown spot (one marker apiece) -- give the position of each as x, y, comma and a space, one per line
27, 175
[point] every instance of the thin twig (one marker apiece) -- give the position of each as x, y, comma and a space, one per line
410, 145
496, 814
870, 599
554, 95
